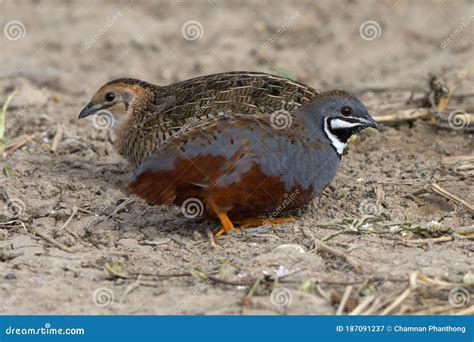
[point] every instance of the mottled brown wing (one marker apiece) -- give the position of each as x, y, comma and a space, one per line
239, 92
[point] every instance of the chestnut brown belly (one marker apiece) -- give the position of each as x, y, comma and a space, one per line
255, 193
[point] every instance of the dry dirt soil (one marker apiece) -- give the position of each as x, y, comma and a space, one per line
72, 242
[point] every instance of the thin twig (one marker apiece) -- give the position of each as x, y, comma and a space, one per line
131, 287
344, 299
54, 242
444, 101
376, 304
120, 207
397, 301
254, 287
322, 293
74, 212
3, 114
155, 243
444, 193
210, 237
441, 239
362, 305
411, 286
229, 282
19, 143
323, 247
57, 138
404, 115
9, 254
422, 278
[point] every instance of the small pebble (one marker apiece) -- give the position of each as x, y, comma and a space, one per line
10, 276
197, 236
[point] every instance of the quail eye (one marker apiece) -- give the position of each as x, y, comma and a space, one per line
346, 111
109, 97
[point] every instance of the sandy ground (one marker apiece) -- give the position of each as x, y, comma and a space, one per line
138, 259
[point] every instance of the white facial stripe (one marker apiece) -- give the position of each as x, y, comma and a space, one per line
340, 123
338, 145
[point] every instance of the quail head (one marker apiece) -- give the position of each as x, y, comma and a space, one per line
122, 98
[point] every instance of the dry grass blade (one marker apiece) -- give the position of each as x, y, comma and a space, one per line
404, 115
397, 301
323, 247
74, 212
19, 143
55, 243
442, 192
362, 305
131, 288
444, 101
57, 138
441, 239
376, 304
463, 165
344, 299
210, 237
119, 207
404, 295
423, 279
3, 115
433, 187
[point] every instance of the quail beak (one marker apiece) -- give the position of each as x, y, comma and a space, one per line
369, 122
88, 110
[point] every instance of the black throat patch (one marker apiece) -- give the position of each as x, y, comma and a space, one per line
343, 128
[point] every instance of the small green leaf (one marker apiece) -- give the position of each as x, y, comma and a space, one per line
307, 286
9, 171
114, 270
283, 73
199, 275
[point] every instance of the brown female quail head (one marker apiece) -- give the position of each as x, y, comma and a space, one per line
118, 97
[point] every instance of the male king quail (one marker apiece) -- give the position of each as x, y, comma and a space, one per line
218, 139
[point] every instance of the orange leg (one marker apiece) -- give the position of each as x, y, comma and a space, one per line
227, 225
261, 221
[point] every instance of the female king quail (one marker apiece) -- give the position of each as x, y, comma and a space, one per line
238, 143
